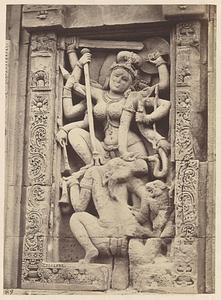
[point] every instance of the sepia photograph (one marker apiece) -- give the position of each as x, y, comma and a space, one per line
110, 149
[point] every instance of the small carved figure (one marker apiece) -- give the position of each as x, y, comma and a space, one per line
40, 79
109, 186
158, 206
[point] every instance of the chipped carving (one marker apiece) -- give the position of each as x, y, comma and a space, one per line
188, 34
43, 43
40, 80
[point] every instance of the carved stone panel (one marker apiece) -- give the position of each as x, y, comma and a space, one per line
68, 276
176, 273
41, 111
184, 143
42, 15
187, 90
130, 205
188, 34
42, 44
186, 199
38, 175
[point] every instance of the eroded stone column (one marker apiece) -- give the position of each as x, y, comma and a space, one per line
39, 153
187, 131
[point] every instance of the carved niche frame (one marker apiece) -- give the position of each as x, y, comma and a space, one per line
42, 168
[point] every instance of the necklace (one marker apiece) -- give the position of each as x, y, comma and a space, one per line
109, 98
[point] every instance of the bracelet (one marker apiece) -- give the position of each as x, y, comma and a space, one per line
66, 97
163, 138
79, 65
62, 128
161, 62
74, 182
67, 88
75, 84
149, 121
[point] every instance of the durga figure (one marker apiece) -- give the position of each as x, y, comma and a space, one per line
119, 165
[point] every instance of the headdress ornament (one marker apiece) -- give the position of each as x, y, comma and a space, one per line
129, 61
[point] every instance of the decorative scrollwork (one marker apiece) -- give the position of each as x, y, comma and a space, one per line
184, 148
38, 193
40, 103
186, 199
188, 35
37, 165
38, 137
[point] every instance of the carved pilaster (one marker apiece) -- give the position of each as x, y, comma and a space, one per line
38, 176
186, 199
186, 209
34, 248
41, 112
187, 88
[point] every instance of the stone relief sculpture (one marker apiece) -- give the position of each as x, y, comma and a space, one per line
126, 173
124, 190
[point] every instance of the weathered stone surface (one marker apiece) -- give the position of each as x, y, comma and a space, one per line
15, 116
112, 15
41, 111
73, 276
84, 16
210, 230
211, 156
178, 11
175, 272
186, 199
210, 265
132, 199
38, 158
202, 198
66, 249
43, 16
189, 131
120, 273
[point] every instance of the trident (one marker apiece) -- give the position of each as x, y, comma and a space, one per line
97, 159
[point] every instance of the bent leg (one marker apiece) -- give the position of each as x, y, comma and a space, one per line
80, 142
88, 232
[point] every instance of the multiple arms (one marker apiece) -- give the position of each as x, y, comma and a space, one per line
162, 70
70, 110
161, 111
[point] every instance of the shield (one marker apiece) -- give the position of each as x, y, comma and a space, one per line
151, 47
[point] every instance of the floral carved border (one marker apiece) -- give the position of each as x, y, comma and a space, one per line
187, 86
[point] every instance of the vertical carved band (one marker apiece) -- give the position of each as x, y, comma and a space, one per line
186, 205
187, 86
186, 199
187, 91
41, 112
39, 155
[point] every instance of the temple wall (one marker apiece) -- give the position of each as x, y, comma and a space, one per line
40, 251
